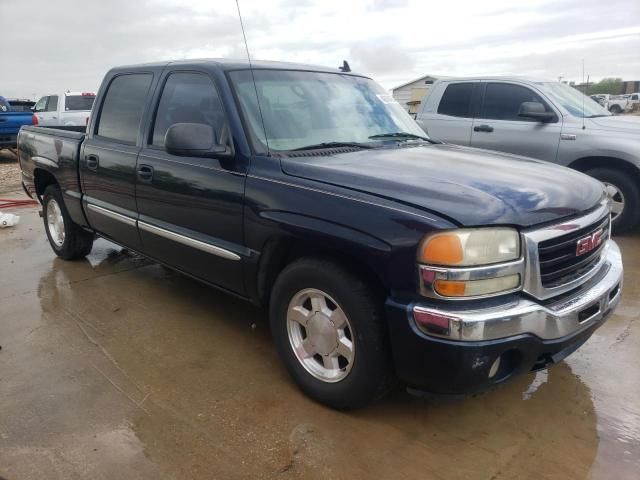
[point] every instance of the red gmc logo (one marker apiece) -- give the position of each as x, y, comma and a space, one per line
586, 244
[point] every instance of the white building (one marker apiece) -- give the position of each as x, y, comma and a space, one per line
410, 94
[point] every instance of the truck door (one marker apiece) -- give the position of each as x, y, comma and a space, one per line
451, 119
46, 111
191, 207
108, 160
498, 126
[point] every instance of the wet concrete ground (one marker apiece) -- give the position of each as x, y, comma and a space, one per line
115, 367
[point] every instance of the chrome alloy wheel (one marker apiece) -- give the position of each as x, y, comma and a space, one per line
55, 222
617, 200
320, 335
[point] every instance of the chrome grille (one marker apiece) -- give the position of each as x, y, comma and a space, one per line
559, 263
552, 266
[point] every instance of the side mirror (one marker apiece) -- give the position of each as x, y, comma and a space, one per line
536, 111
194, 140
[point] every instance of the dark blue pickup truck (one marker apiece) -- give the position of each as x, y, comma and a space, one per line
381, 255
10, 122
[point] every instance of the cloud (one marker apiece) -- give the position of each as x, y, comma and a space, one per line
70, 44
381, 56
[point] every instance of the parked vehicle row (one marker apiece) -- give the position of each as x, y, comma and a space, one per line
544, 120
69, 108
616, 104
379, 253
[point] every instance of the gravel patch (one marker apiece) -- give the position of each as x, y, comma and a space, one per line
9, 173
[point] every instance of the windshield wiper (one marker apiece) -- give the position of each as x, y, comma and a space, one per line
400, 135
318, 146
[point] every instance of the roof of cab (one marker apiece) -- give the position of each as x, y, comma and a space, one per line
232, 64
512, 78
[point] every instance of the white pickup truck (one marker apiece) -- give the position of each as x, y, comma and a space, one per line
616, 104
69, 108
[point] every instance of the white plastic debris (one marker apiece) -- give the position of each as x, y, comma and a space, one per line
8, 220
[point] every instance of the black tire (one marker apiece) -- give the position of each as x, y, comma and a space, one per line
628, 186
371, 373
77, 242
615, 109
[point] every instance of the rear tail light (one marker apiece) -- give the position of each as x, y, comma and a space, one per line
34, 119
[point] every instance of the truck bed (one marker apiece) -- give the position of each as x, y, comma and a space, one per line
53, 151
10, 123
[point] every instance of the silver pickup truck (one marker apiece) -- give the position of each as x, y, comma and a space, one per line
545, 120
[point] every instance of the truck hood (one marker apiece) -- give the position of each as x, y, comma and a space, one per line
466, 185
618, 123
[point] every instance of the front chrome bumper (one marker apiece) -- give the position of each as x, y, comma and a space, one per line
558, 317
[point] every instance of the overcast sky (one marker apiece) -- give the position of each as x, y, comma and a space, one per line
50, 46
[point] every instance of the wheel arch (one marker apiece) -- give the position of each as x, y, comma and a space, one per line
42, 179
585, 164
280, 252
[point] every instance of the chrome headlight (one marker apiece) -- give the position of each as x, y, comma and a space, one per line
470, 263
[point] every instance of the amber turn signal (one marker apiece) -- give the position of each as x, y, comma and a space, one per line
442, 249
450, 288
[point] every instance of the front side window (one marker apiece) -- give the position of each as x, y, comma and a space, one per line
41, 105
123, 106
188, 98
300, 109
52, 104
502, 101
456, 100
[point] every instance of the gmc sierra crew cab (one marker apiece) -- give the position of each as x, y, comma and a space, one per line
545, 120
379, 253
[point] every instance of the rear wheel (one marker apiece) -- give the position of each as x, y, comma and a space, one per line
67, 239
615, 109
328, 327
624, 193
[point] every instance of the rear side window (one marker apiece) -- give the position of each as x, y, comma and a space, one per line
78, 102
502, 101
122, 107
188, 98
52, 105
456, 100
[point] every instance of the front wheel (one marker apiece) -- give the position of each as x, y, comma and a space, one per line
328, 328
67, 239
624, 194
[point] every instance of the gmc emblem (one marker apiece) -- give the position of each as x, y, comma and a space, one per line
586, 244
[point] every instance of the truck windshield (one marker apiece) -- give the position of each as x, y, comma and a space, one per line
574, 101
78, 102
310, 109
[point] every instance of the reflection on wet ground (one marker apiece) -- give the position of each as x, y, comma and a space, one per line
115, 367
